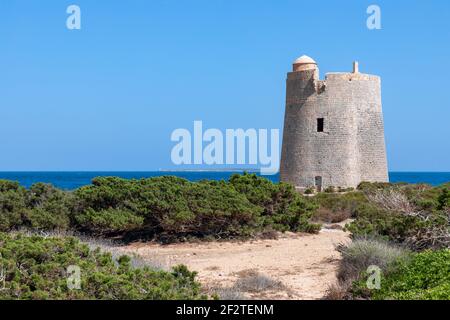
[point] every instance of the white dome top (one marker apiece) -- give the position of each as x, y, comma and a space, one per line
304, 60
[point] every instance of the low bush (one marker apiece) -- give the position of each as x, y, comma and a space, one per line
48, 208
108, 221
13, 205
34, 267
357, 257
407, 214
443, 199
426, 276
362, 253
258, 283
404, 274
284, 208
335, 208
165, 208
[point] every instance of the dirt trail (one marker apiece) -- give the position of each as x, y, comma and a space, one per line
304, 263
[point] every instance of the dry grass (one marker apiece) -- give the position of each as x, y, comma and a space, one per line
393, 200
212, 268
337, 292
436, 236
249, 281
227, 293
258, 283
357, 257
362, 253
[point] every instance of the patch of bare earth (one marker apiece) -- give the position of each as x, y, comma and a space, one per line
302, 266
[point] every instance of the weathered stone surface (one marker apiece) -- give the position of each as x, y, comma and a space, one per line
351, 147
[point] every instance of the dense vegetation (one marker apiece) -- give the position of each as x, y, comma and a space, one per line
403, 229
33, 267
426, 276
164, 208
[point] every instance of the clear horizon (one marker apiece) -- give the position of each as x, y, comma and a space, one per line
177, 170
107, 97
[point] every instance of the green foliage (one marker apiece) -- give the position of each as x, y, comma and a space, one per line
49, 208
404, 274
12, 205
36, 268
371, 186
349, 189
370, 220
166, 208
361, 253
417, 221
108, 221
443, 199
425, 277
412, 216
341, 202
337, 207
283, 207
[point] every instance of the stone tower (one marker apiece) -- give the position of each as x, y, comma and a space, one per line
333, 128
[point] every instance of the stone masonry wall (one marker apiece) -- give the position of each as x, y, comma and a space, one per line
351, 149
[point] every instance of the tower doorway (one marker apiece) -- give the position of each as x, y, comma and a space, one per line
318, 183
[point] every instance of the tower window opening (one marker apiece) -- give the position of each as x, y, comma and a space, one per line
318, 183
320, 123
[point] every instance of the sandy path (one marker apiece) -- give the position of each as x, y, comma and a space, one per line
305, 264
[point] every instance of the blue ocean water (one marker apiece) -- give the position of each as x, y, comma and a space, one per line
74, 180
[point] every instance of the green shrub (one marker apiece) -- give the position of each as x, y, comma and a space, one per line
357, 257
362, 253
404, 274
108, 221
334, 208
371, 186
349, 189
406, 214
443, 199
283, 207
36, 268
166, 208
48, 208
13, 205
370, 220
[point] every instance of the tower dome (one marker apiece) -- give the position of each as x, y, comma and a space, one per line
304, 63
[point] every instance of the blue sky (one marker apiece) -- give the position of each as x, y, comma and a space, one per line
108, 96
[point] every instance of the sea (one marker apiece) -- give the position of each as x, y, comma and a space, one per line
73, 180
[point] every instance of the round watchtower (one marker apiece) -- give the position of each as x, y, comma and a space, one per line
333, 129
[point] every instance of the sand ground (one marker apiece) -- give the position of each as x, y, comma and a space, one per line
304, 263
